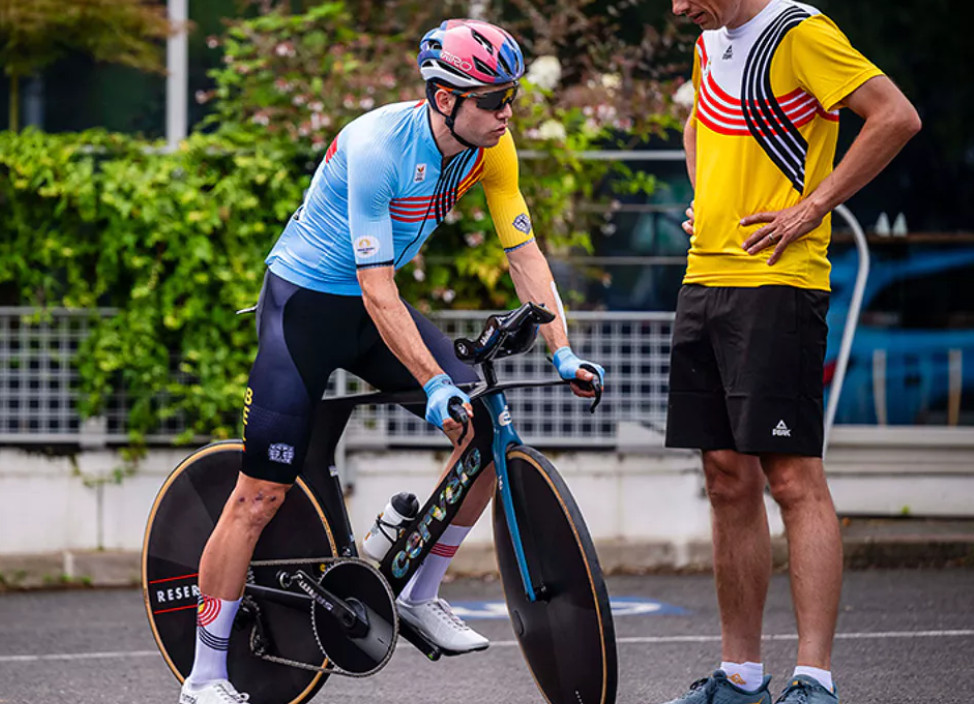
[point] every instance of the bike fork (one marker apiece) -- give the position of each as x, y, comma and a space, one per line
504, 437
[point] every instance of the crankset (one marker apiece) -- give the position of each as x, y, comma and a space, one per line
352, 609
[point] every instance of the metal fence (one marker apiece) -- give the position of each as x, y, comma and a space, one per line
39, 380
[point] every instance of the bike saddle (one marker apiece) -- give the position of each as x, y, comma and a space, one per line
504, 335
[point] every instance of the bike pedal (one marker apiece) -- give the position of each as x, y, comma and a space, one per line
422, 643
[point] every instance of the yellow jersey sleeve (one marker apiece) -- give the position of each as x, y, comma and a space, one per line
825, 63
504, 200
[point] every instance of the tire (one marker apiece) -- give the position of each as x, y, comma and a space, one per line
567, 636
183, 515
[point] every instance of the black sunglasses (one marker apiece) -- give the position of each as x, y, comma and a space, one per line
493, 101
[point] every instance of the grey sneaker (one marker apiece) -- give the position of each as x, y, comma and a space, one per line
807, 690
717, 689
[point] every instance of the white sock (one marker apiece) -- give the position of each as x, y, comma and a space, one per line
425, 583
746, 675
214, 619
824, 677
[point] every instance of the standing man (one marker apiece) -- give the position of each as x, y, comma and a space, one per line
749, 337
330, 301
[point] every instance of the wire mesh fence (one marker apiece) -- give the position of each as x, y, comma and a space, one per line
39, 384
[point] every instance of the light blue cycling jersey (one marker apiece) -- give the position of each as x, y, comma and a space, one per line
379, 193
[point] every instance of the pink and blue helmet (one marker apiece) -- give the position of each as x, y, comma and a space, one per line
469, 53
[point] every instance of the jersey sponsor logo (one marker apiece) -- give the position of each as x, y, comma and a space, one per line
366, 247
523, 223
729, 54
281, 453
505, 417
420, 175
781, 430
455, 60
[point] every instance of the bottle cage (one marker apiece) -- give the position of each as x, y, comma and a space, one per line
504, 335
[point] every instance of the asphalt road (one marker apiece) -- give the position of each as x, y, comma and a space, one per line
904, 636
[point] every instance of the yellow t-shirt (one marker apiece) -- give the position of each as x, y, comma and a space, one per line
766, 114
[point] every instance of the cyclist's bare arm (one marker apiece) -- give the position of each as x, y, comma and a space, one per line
533, 282
381, 298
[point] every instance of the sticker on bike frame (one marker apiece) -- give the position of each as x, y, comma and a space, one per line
621, 606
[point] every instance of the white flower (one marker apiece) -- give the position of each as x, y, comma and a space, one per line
611, 81
449, 295
545, 72
474, 239
366, 103
552, 129
419, 274
684, 95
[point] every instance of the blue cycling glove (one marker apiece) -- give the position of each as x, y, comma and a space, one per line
439, 390
567, 364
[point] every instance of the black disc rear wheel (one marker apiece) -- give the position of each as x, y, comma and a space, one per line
566, 635
183, 516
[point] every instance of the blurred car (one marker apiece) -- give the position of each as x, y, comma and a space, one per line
912, 357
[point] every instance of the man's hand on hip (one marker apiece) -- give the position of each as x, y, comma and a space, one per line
688, 223
783, 227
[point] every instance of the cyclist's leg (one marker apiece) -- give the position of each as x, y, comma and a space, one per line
291, 369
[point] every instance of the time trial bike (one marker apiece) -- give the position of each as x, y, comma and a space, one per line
312, 608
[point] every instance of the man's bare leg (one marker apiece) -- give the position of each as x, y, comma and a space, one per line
742, 550
799, 487
251, 506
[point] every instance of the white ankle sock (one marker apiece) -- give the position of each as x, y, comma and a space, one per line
824, 677
214, 619
425, 583
746, 675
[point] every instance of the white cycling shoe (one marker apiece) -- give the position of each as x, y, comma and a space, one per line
215, 692
436, 620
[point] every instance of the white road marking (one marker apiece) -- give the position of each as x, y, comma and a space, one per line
632, 640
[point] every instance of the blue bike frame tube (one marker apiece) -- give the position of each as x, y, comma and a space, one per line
504, 437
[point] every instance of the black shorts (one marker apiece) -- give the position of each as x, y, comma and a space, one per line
303, 336
746, 368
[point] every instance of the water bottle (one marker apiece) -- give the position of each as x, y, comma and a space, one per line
401, 509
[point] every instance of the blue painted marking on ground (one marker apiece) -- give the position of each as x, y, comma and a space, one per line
621, 606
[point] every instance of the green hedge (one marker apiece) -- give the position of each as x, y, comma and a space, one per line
174, 242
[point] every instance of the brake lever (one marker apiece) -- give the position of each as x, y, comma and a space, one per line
595, 385
458, 413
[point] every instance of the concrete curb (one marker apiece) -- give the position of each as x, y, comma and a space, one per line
879, 543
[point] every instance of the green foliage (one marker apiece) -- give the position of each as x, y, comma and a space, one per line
173, 242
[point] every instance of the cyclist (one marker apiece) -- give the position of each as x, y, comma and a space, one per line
330, 301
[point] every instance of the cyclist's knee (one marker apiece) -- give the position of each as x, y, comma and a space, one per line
254, 502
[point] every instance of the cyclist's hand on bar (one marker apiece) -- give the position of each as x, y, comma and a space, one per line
571, 368
439, 391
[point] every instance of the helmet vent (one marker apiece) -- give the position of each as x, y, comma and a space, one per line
483, 41
484, 68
